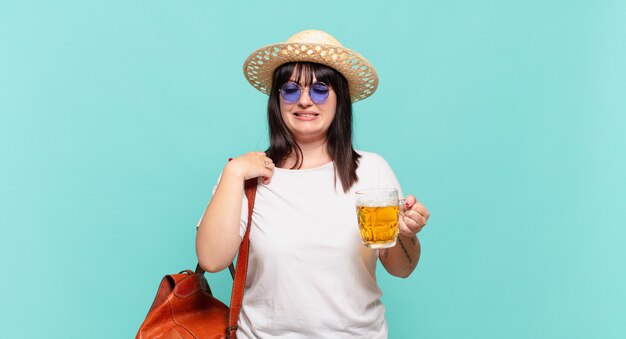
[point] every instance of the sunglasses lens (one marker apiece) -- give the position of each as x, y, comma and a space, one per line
290, 92
319, 92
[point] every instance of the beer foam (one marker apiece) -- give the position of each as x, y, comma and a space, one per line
377, 197
376, 202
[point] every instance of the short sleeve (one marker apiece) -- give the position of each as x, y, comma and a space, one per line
375, 172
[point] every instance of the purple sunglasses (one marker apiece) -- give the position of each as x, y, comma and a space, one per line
291, 92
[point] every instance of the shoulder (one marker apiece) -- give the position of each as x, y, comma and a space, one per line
370, 158
374, 171
372, 162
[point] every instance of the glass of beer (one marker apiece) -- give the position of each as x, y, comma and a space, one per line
377, 213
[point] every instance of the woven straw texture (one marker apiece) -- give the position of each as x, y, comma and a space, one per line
312, 46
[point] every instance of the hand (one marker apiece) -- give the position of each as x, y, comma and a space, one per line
252, 165
414, 219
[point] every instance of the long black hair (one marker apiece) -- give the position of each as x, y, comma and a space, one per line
339, 137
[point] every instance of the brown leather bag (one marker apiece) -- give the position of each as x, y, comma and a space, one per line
184, 306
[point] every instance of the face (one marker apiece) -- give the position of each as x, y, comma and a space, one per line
307, 120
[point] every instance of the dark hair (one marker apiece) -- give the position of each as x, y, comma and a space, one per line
339, 137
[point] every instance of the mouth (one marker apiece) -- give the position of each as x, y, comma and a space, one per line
305, 114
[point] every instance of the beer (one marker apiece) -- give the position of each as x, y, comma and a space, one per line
378, 225
377, 213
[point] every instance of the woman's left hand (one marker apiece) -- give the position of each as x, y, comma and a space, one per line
415, 217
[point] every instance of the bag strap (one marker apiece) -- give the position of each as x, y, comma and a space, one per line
242, 264
239, 274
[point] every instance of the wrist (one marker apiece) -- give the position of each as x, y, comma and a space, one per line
407, 237
232, 171
407, 241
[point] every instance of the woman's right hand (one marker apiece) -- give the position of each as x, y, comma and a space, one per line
252, 165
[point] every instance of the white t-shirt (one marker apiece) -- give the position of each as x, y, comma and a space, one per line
309, 275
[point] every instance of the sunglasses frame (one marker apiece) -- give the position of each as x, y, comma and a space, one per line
280, 91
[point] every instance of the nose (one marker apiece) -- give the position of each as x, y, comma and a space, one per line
305, 99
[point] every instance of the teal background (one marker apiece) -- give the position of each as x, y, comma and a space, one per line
505, 118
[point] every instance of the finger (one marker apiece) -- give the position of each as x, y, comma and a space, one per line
269, 166
410, 201
267, 162
404, 230
412, 225
421, 209
267, 172
267, 175
419, 219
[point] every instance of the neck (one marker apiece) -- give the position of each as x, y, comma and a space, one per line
314, 154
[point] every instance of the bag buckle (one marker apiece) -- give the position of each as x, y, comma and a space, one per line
231, 328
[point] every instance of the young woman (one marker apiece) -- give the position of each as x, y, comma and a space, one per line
309, 275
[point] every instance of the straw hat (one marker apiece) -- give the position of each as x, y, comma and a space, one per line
312, 46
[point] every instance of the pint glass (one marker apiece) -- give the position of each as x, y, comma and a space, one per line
377, 213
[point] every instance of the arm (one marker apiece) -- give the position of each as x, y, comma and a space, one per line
218, 236
402, 259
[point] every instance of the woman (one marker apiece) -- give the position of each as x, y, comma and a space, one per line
309, 275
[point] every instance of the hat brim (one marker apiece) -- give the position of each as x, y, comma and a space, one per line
260, 65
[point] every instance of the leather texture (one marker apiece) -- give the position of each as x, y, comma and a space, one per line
184, 306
